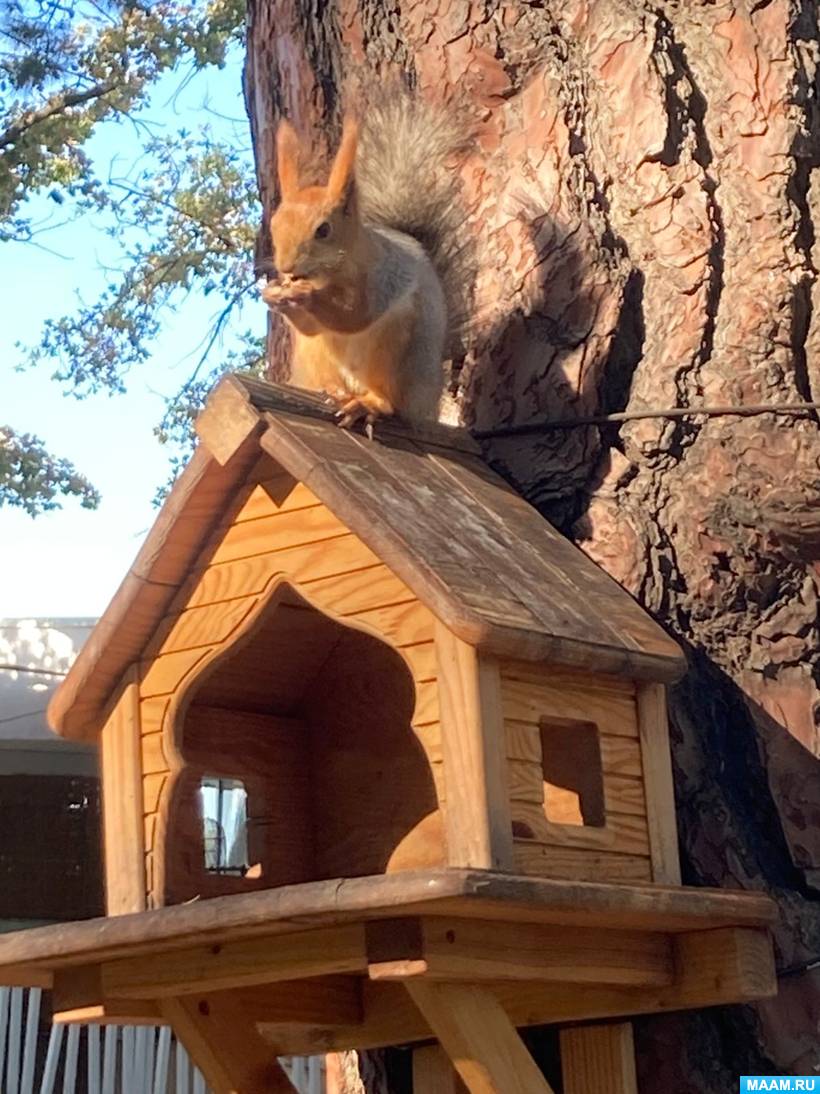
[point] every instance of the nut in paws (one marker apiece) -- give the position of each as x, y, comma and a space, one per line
287, 292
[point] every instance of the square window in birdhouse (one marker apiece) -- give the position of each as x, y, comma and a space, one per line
573, 773
224, 813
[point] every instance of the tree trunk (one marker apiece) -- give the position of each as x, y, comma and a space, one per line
644, 200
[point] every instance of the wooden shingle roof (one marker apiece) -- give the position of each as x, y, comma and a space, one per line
479, 556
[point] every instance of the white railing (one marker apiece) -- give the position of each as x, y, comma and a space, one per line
106, 1059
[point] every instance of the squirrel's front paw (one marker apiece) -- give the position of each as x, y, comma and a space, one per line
287, 293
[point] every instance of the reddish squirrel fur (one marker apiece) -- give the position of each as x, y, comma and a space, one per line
369, 272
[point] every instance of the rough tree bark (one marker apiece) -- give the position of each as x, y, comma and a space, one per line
645, 197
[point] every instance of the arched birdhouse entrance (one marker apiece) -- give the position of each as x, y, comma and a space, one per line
290, 746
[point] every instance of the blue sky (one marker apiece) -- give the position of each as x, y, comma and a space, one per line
70, 562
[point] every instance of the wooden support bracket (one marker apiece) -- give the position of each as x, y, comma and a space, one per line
478, 1036
78, 996
725, 965
226, 1046
26, 977
323, 1001
209, 968
462, 949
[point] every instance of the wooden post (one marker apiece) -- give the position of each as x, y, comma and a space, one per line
123, 832
598, 1059
478, 1036
477, 811
656, 761
226, 1046
433, 1072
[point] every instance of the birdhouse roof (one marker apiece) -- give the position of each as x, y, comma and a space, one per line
472, 550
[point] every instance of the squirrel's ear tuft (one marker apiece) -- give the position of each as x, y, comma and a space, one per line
287, 159
340, 182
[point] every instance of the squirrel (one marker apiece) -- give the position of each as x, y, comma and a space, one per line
371, 276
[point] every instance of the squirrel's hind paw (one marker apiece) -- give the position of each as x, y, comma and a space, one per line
346, 419
362, 409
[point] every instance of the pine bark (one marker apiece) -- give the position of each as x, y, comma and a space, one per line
644, 199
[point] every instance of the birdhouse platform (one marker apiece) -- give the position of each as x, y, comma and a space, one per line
385, 760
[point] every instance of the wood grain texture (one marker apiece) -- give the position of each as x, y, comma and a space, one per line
623, 794
362, 718
226, 423
122, 803
433, 1072
623, 832
263, 740
739, 974
341, 575
190, 511
297, 690
480, 584
150, 827
225, 1045
479, 1038
598, 1059
277, 532
78, 996
164, 674
469, 950
659, 788
465, 893
279, 398
152, 714
360, 591
153, 758
506, 596
579, 863
116, 1012
478, 821
249, 576
740, 961
26, 977
566, 677
390, 1019
195, 627
342, 578
619, 755
319, 1001
238, 964
269, 755
152, 786
402, 624
279, 493
541, 559
613, 710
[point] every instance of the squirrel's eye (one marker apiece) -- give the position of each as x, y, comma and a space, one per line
323, 231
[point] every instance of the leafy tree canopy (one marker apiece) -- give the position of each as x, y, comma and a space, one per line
182, 216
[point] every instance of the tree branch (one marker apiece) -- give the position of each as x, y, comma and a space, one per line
674, 412
57, 106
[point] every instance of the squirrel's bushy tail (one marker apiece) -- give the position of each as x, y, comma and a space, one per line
407, 178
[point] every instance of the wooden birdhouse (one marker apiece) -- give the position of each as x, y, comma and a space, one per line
364, 684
